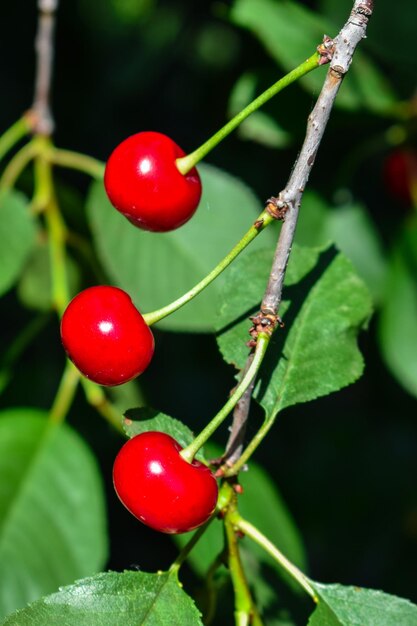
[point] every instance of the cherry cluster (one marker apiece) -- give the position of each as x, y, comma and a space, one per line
108, 340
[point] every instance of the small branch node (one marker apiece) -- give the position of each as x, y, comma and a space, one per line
43, 120
276, 207
365, 9
338, 71
326, 50
265, 321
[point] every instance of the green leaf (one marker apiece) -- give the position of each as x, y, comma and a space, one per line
271, 597
207, 548
241, 298
291, 32
355, 235
397, 323
35, 284
350, 228
320, 353
260, 494
263, 129
259, 126
355, 606
144, 419
127, 395
52, 518
17, 237
316, 353
312, 226
112, 599
144, 263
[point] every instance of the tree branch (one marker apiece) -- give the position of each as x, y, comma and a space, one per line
43, 122
288, 201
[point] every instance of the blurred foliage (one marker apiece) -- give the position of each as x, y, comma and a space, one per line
345, 464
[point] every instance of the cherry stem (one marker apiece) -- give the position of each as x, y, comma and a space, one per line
14, 134
259, 225
65, 394
98, 400
174, 568
16, 165
225, 497
245, 609
191, 450
251, 531
78, 161
210, 588
186, 163
250, 448
44, 200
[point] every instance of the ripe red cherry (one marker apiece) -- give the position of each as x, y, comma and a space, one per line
161, 488
400, 175
105, 336
144, 183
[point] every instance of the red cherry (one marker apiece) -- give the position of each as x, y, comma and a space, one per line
400, 174
161, 488
105, 336
143, 182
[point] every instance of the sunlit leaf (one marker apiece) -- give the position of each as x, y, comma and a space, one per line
397, 323
52, 518
356, 606
112, 599
17, 237
317, 352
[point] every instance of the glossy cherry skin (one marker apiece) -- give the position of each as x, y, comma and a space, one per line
160, 488
143, 182
105, 336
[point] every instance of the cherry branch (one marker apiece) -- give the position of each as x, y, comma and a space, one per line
288, 201
43, 122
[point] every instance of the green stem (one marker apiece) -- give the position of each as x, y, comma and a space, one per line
210, 603
97, 398
191, 450
226, 495
45, 200
43, 176
260, 224
189, 546
250, 449
13, 135
17, 164
65, 394
77, 161
245, 610
251, 531
186, 163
